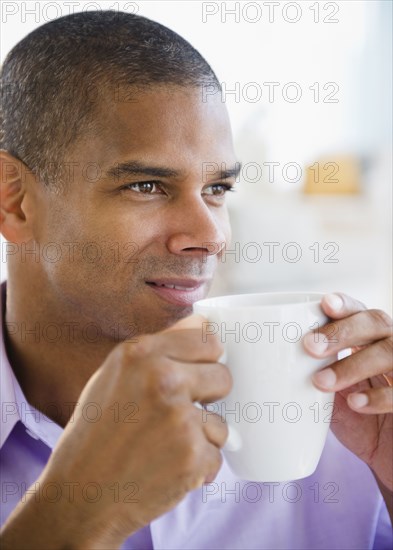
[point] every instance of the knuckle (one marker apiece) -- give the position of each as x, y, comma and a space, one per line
216, 346
227, 376
387, 346
220, 423
191, 457
164, 380
124, 370
381, 318
223, 377
141, 348
336, 332
385, 400
184, 419
129, 354
213, 463
208, 341
229, 379
119, 359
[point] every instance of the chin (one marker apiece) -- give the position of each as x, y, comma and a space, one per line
168, 319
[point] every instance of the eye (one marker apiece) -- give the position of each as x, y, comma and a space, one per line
144, 187
218, 189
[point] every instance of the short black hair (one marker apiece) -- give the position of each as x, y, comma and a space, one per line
52, 80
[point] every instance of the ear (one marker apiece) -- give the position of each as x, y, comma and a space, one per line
14, 179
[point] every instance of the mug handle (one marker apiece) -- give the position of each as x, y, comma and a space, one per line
234, 441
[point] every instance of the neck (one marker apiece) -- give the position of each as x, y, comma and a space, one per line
51, 355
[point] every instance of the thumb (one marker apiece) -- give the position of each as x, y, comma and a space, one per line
192, 321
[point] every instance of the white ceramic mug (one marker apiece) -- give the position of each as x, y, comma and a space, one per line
278, 421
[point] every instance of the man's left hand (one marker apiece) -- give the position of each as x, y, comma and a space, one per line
362, 418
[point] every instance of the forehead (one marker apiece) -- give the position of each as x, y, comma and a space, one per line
164, 123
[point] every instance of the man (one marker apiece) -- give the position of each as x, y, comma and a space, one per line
107, 212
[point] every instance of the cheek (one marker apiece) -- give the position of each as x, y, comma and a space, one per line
91, 229
130, 238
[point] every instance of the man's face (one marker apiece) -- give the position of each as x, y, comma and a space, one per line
139, 212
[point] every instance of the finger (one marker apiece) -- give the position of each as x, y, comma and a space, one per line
373, 401
205, 463
213, 463
195, 382
364, 364
359, 329
214, 427
339, 305
192, 344
206, 382
186, 344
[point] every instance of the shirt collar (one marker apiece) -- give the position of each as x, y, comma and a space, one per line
14, 405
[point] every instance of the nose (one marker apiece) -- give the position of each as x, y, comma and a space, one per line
198, 230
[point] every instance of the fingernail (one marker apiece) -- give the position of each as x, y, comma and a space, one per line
334, 301
358, 400
316, 343
325, 378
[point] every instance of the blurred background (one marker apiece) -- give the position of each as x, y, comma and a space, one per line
308, 86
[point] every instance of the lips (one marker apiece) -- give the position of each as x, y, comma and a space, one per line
182, 292
176, 287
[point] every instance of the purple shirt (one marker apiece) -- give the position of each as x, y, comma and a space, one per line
338, 507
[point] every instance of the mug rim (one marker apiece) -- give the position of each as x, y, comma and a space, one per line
211, 302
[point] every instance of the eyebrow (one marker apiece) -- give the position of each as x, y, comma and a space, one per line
230, 172
136, 168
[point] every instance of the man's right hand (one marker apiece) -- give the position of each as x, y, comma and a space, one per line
151, 445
